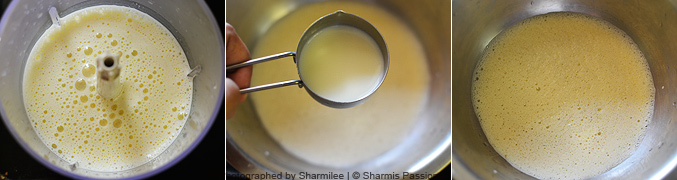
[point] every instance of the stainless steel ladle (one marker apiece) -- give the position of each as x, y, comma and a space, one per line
336, 18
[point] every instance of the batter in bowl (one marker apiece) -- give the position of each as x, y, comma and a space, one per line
332, 137
563, 95
107, 134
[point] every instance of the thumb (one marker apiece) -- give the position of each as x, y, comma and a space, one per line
232, 98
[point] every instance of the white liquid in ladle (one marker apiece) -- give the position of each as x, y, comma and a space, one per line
341, 63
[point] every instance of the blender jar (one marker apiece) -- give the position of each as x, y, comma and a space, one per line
191, 22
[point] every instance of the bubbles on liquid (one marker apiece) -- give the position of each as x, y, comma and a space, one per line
73, 117
84, 98
88, 51
525, 137
117, 123
80, 84
103, 122
88, 70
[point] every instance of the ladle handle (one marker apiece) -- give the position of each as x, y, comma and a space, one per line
260, 60
271, 86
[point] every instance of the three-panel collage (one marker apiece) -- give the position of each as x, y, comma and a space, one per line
338, 89
235, 89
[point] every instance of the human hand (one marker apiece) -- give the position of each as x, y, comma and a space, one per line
236, 52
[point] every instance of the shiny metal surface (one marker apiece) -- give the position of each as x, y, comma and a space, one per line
337, 18
191, 22
342, 18
261, 60
651, 24
272, 86
250, 149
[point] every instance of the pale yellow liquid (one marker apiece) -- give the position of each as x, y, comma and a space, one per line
340, 137
563, 96
341, 63
104, 134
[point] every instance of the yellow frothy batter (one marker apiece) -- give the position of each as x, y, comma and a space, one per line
107, 134
563, 96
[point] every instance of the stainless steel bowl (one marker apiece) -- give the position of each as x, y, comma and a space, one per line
651, 24
250, 149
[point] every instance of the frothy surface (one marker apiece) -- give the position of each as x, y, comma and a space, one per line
563, 96
340, 137
105, 134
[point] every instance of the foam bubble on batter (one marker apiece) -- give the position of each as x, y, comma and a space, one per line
563, 96
105, 134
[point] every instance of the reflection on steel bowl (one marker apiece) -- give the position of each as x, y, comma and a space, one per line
651, 25
415, 142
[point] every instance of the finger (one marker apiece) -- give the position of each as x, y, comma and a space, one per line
241, 76
243, 97
233, 98
236, 52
